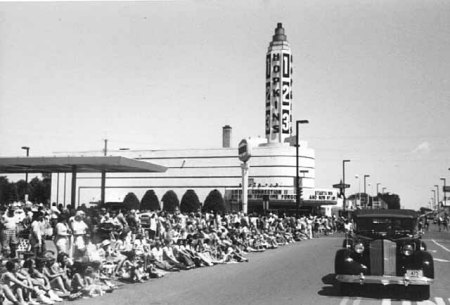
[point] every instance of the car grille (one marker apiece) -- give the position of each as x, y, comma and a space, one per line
383, 257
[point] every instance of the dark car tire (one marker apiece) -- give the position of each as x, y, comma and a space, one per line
419, 292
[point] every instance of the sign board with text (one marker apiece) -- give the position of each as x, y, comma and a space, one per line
244, 150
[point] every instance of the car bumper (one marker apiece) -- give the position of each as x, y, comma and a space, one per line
384, 280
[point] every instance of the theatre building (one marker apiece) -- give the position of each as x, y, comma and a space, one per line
272, 167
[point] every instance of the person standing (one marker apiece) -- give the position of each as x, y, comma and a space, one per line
8, 234
79, 230
62, 234
37, 233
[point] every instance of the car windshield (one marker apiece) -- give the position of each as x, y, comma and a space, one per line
385, 226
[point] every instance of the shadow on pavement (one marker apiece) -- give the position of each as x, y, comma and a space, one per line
393, 292
331, 290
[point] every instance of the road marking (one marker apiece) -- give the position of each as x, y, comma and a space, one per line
344, 301
441, 260
357, 301
442, 246
428, 302
439, 301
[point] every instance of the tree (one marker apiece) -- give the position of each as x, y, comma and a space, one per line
170, 201
150, 201
131, 201
7, 191
21, 189
39, 190
214, 202
190, 202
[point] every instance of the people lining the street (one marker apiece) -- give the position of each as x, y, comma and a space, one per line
97, 247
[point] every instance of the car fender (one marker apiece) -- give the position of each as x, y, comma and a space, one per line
424, 261
345, 264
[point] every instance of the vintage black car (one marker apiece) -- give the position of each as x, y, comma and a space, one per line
385, 248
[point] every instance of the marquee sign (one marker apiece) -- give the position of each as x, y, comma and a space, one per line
278, 91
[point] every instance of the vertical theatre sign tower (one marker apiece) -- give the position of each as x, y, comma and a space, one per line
278, 88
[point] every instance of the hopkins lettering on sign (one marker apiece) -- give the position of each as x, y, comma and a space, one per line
278, 100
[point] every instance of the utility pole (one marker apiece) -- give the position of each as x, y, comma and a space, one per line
343, 182
103, 183
297, 145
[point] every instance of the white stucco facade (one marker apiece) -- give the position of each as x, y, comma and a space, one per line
200, 169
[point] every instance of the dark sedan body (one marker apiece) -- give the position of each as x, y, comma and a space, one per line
385, 248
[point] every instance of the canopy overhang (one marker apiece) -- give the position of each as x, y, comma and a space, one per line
108, 164
74, 165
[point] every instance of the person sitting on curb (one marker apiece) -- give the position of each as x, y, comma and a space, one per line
38, 281
131, 269
20, 287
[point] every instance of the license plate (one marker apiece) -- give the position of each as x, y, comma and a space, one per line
414, 273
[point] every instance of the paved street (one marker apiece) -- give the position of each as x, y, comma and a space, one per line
300, 273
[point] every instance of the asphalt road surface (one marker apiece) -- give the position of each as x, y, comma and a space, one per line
300, 273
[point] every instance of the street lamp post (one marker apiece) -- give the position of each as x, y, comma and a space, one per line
443, 191
103, 178
359, 189
434, 197
378, 200
382, 190
303, 172
365, 194
27, 149
297, 189
343, 182
437, 195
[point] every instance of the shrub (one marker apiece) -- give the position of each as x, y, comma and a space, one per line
190, 202
170, 201
150, 201
214, 202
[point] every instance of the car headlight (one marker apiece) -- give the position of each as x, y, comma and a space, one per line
407, 250
359, 248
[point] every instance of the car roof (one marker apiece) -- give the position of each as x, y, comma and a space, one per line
386, 213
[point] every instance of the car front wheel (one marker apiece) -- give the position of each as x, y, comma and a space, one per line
419, 292
347, 289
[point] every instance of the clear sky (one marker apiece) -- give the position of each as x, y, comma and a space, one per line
372, 77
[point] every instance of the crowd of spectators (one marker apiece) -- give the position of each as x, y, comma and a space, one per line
95, 249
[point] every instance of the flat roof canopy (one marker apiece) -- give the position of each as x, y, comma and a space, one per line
82, 164
74, 165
